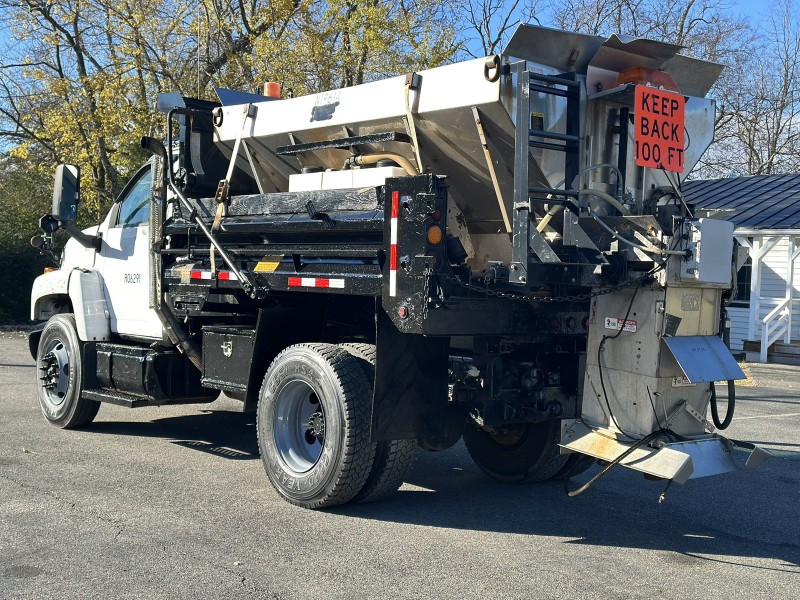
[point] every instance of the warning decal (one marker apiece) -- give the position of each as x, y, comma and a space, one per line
659, 135
268, 264
612, 323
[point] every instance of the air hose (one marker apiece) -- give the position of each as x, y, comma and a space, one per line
731, 405
638, 444
731, 385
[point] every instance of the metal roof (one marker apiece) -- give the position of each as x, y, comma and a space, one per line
755, 202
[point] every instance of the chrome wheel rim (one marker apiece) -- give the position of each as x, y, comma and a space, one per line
54, 373
299, 426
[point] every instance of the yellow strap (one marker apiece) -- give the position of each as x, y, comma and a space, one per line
411, 126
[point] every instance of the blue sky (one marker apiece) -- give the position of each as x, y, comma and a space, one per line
749, 8
754, 8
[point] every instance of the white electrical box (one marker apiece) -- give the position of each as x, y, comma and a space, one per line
305, 182
711, 243
345, 179
337, 180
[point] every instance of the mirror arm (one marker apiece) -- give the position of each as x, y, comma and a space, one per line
87, 241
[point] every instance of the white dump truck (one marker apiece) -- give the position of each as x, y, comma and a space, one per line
496, 251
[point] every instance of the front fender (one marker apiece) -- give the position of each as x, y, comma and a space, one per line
92, 317
50, 294
83, 289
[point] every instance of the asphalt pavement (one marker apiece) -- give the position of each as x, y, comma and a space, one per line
172, 502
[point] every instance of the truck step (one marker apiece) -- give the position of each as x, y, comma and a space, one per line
117, 398
132, 401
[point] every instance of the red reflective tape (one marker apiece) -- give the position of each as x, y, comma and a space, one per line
199, 274
393, 224
316, 282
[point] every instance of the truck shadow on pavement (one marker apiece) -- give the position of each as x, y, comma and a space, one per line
750, 519
226, 434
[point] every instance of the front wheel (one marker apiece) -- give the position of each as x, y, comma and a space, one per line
520, 452
60, 375
313, 425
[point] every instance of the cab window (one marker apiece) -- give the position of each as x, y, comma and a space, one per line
134, 205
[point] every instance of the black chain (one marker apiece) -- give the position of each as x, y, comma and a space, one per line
426, 291
551, 299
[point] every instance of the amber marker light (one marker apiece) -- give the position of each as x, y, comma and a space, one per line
435, 235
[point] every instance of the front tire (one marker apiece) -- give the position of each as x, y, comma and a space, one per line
313, 423
60, 375
524, 452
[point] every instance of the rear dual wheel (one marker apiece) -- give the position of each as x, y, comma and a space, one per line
525, 452
313, 424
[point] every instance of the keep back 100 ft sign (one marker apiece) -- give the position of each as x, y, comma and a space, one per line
659, 137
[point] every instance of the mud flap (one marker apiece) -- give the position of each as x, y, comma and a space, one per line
410, 384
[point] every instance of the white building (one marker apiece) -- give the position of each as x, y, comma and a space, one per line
766, 212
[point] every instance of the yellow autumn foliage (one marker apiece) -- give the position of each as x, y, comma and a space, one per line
86, 90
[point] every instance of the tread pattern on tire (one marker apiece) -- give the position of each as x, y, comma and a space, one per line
357, 451
575, 465
546, 465
393, 458
85, 409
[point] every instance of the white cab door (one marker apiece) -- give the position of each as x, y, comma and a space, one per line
124, 262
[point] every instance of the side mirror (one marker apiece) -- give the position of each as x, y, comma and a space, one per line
66, 193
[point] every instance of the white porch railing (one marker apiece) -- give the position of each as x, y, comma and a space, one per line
775, 325
783, 264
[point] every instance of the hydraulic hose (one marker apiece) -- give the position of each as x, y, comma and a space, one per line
175, 332
731, 405
371, 159
649, 249
554, 210
602, 195
608, 198
638, 444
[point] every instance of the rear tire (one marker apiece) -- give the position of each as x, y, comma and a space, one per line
313, 423
526, 452
60, 375
393, 458
576, 464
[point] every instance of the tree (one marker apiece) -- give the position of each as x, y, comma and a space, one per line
489, 23
81, 85
758, 126
23, 193
340, 43
79, 78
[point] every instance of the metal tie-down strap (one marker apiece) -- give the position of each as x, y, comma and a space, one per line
223, 189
